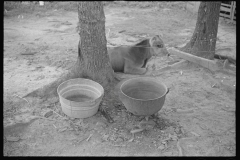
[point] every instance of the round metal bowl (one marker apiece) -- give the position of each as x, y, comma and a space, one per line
80, 98
143, 95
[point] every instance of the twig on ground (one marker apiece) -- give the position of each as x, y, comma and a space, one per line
118, 145
179, 149
89, 137
23, 99
61, 116
57, 113
54, 126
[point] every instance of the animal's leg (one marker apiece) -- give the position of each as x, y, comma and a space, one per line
132, 68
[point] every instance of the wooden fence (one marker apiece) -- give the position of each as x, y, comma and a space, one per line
228, 10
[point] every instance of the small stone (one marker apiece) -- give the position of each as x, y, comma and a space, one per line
232, 131
104, 104
161, 147
105, 137
13, 139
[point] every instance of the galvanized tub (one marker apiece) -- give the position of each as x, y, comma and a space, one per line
80, 98
143, 95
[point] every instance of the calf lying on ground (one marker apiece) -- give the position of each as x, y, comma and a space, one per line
133, 59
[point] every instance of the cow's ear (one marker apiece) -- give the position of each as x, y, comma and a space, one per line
160, 35
154, 38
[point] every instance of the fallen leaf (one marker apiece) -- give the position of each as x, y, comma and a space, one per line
195, 134
48, 114
62, 129
130, 140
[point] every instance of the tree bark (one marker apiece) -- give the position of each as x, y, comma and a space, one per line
93, 61
203, 41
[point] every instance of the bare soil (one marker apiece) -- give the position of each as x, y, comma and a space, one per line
197, 119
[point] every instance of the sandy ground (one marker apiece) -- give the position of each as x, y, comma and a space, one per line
197, 119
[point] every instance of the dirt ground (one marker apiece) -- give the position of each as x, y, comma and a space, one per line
197, 119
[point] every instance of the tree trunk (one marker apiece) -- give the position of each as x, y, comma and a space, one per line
203, 41
93, 61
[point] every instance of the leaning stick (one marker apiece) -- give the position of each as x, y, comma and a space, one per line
210, 64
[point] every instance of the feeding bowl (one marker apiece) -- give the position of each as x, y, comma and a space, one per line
143, 95
80, 98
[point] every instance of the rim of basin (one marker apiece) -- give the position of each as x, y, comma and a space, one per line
167, 90
101, 89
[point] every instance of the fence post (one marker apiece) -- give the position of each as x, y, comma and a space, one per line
233, 10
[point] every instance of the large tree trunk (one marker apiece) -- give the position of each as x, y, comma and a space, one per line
93, 61
203, 41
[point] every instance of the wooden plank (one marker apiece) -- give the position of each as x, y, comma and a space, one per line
234, 4
233, 11
229, 10
195, 59
210, 64
224, 15
225, 5
225, 9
